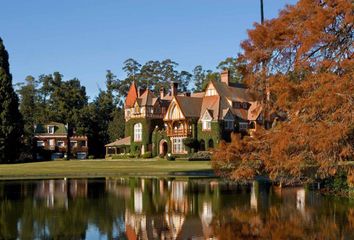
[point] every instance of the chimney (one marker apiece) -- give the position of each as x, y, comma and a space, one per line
162, 92
225, 77
138, 91
174, 88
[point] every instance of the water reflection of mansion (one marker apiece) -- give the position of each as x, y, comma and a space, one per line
56, 193
180, 215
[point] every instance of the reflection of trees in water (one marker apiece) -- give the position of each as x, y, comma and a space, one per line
167, 208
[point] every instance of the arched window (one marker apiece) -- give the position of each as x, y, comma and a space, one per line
211, 143
202, 145
138, 132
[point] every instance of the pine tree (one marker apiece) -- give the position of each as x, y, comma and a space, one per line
11, 126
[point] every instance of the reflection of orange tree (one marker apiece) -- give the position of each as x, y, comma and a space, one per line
277, 223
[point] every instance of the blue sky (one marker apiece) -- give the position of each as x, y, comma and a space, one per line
84, 38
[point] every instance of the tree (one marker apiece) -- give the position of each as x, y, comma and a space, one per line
66, 100
11, 126
117, 125
235, 67
28, 107
198, 78
306, 57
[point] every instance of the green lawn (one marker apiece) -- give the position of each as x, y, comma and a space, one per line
103, 168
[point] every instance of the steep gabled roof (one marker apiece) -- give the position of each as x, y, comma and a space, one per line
131, 96
148, 98
233, 93
211, 103
190, 106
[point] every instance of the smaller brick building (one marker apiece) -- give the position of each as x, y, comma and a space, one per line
51, 142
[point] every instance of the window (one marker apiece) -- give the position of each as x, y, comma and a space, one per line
244, 105
137, 109
243, 126
229, 124
177, 145
211, 92
51, 129
82, 143
206, 125
60, 143
73, 144
40, 143
138, 130
51, 142
236, 105
128, 112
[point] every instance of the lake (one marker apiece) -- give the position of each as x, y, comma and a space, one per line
168, 208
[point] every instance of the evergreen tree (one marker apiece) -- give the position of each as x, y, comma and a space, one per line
235, 67
117, 125
28, 107
198, 77
11, 126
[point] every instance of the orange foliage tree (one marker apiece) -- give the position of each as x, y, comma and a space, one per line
305, 58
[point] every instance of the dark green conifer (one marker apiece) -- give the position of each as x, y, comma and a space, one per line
11, 126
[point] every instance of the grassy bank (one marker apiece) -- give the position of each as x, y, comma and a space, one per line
103, 168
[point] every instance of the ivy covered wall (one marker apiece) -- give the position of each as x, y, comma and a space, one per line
215, 133
148, 125
157, 136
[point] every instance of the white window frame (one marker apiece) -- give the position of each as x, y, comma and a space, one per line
60, 142
73, 144
178, 145
51, 129
211, 92
206, 125
40, 143
138, 132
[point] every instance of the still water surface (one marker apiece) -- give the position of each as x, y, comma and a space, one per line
169, 208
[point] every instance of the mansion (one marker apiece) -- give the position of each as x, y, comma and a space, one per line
162, 124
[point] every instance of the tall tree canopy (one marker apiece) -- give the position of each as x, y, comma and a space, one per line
11, 126
305, 56
28, 106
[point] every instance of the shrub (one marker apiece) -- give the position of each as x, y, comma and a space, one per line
161, 156
191, 143
134, 155
91, 157
170, 157
147, 155
200, 156
120, 156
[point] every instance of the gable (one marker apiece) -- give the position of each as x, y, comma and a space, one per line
211, 90
229, 116
174, 111
207, 116
131, 96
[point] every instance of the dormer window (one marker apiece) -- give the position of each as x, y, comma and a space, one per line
51, 129
244, 105
236, 105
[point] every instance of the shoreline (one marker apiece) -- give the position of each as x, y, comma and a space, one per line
105, 168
